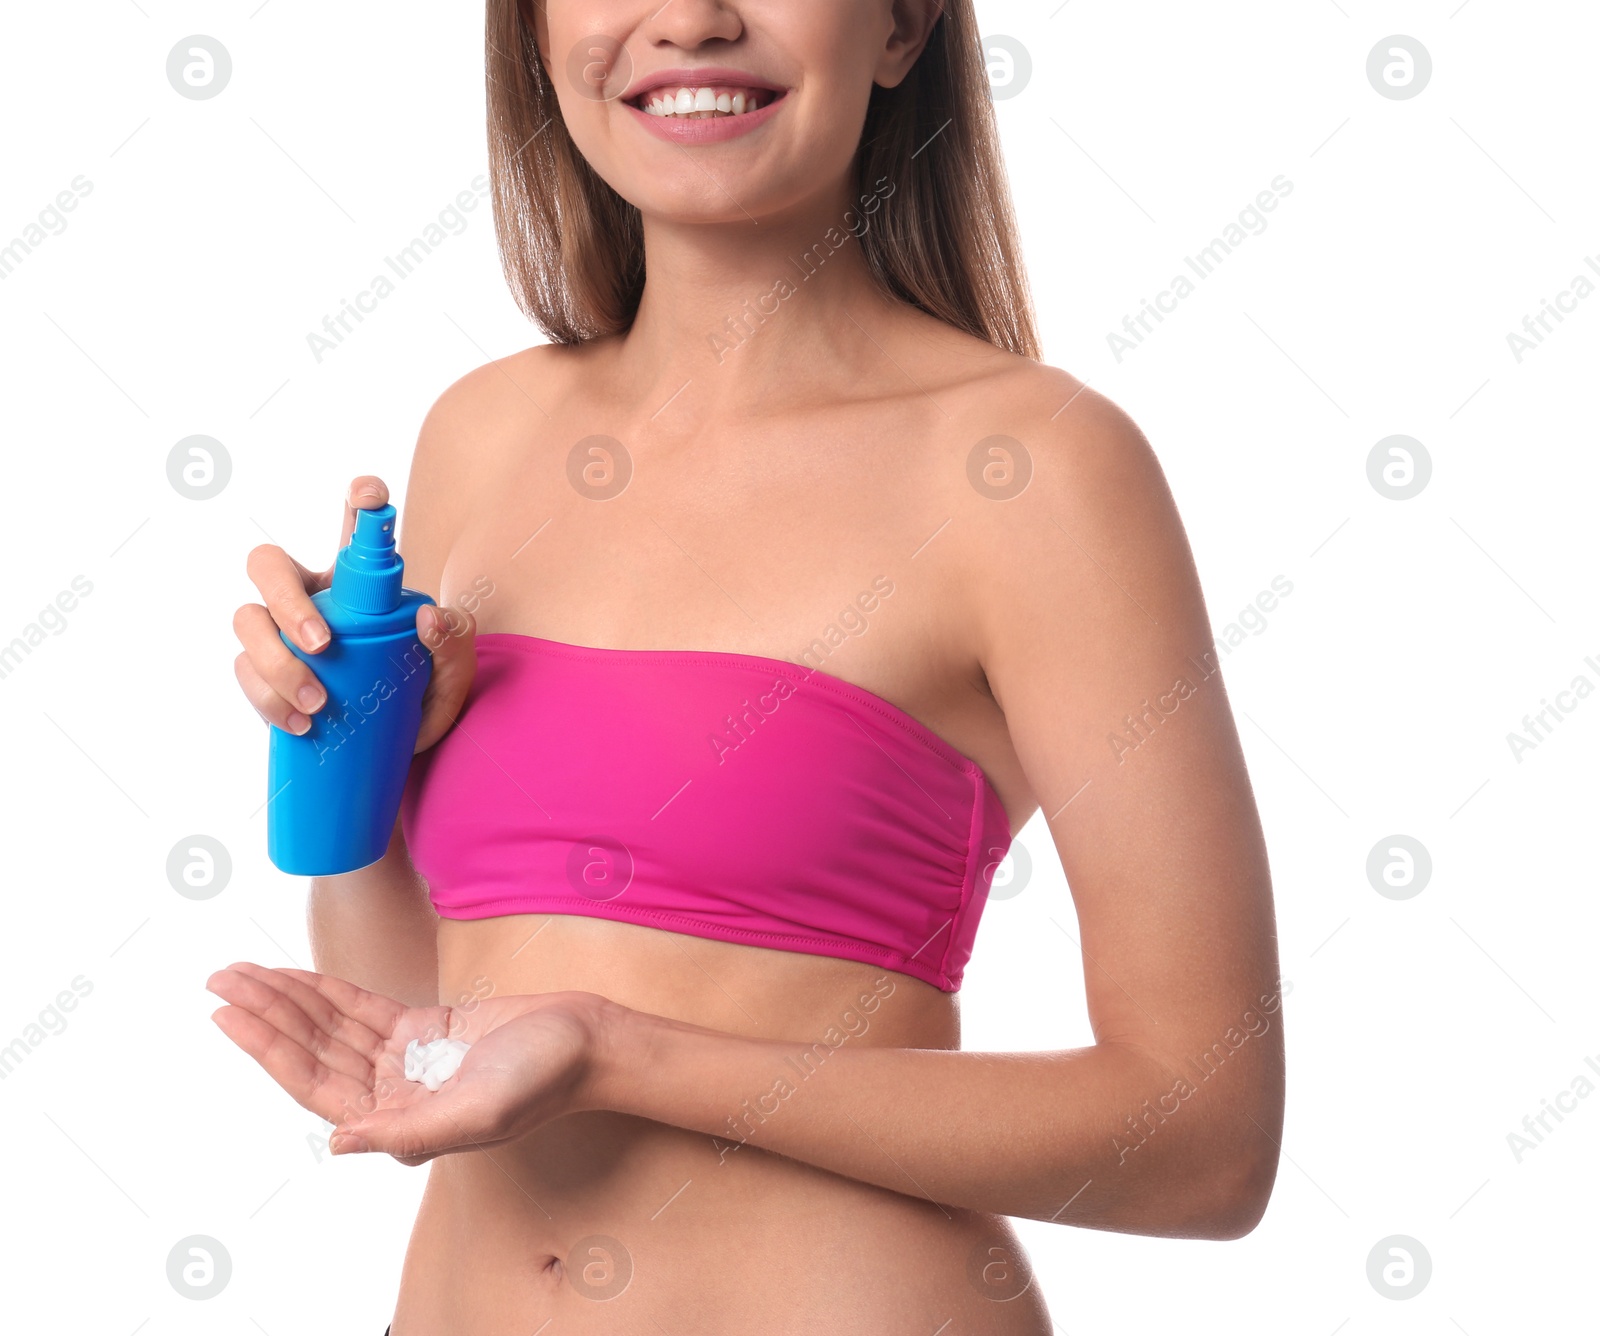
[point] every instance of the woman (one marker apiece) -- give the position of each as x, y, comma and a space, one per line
781, 586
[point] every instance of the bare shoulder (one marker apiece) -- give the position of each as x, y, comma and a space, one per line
498, 398
1069, 432
1063, 519
1075, 451
1075, 534
464, 442
1065, 424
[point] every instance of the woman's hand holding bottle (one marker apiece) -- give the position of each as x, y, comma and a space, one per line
283, 689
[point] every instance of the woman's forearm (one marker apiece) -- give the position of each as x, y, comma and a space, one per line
376, 928
1094, 1136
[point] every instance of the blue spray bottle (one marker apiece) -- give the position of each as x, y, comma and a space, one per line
334, 791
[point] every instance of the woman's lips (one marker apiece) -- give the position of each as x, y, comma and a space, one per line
704, 129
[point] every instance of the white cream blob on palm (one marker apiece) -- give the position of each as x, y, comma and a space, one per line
434, 1063
702, 102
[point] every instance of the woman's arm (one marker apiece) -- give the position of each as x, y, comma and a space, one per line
1098, 649
1044, 1136
377, 928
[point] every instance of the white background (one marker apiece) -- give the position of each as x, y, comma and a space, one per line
1376, 701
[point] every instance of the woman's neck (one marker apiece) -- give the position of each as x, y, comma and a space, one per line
755, 314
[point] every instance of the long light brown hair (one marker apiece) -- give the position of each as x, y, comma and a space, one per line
573, 249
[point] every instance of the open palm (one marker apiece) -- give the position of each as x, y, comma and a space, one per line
339, 1050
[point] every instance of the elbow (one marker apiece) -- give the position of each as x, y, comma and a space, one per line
1244, 1149
1237, 1194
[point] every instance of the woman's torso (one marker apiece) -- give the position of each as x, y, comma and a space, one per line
750, 536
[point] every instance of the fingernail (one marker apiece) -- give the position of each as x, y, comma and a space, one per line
298, 723
311, 697
346, 1143
313, 633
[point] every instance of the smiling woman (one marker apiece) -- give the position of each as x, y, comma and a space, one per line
887, 93
703, 879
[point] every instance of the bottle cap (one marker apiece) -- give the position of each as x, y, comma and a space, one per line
368, 571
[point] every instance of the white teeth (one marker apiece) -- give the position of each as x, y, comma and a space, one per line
700, 102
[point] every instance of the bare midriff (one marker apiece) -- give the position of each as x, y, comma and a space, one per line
679, 1232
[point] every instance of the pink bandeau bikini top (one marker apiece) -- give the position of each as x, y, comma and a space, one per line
722, 795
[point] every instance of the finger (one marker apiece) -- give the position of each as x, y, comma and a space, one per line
451, 635
284, 583
356, 1052
382, 1015
364, 493
266, 702
357, 1059
344, 1009
309, 1082
292, 684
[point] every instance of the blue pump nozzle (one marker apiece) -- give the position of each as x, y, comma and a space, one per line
368, 571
